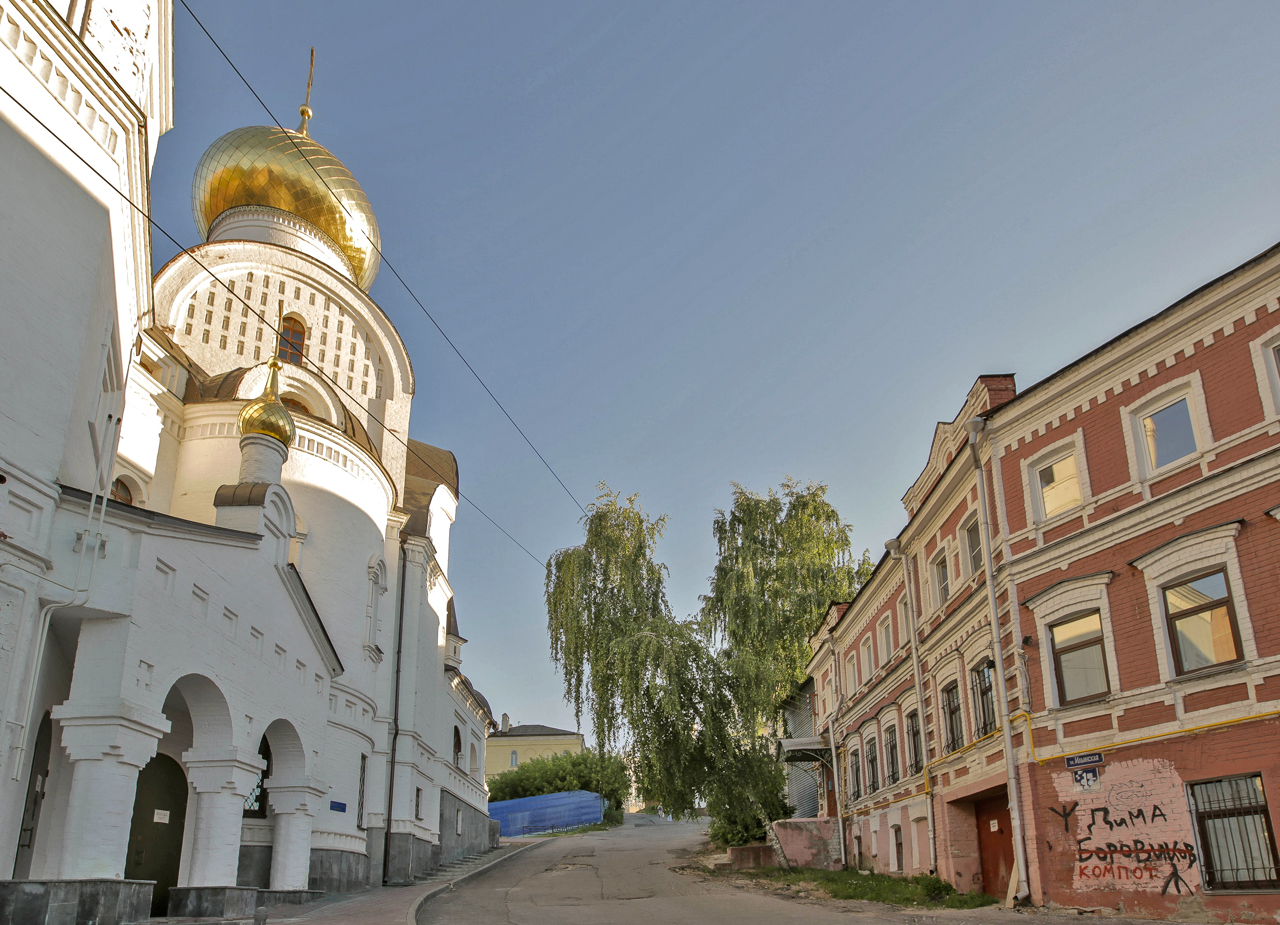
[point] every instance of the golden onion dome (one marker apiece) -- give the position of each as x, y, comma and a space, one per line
266, 414
264, 165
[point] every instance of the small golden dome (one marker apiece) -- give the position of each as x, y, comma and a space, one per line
266, 414
264, 165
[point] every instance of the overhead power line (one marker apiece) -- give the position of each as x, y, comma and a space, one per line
187, 253
390, 266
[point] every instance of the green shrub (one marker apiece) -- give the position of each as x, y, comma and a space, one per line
606, 775
935, 889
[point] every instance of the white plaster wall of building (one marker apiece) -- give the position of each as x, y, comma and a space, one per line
74, 129
238, 637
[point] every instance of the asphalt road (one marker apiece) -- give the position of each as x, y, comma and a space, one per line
619, 876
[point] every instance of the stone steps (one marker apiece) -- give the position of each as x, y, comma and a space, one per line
460, 867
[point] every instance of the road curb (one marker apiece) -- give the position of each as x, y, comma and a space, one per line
412, 917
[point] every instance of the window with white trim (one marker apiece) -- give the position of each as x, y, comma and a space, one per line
886, 640
1202, 623
1059, 486
973, 545
941, 579
1079, 659
1169, 435
1198, 621
868, 665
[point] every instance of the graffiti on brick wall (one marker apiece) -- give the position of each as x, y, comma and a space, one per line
1131, 830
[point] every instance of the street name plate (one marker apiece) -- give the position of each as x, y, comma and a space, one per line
1087, 760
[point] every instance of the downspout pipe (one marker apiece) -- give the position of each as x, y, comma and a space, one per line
975, 426
895, 549
837, 782
395, 716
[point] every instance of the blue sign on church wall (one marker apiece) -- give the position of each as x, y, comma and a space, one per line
337, 807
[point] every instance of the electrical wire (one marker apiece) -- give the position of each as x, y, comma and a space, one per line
382, 256
187, 253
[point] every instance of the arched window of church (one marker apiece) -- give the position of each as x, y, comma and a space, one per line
457, 748
120, 492
475, 761
292, 337
515, 758
294, 405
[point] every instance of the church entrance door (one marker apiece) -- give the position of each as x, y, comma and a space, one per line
35, 797
155, 837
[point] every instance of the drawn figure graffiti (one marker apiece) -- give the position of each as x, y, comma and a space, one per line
1133, 832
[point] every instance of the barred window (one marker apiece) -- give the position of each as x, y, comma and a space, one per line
951, 716
873, 767
984, 699
915, 754
891, 755
855, 776
1236, 840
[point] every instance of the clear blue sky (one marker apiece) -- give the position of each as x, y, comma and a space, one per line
694, 243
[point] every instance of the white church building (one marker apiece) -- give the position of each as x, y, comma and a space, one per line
230, 664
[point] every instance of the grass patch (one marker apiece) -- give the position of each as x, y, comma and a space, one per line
923, 890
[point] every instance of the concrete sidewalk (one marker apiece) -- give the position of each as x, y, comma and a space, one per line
393, 905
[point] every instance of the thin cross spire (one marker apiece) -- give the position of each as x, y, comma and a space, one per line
305, 109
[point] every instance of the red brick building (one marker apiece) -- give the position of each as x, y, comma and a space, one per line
1131, 529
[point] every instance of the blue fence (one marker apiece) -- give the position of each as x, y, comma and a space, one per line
548, 813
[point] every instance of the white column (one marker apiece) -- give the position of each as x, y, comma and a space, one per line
294, 806
108, 746
221, 779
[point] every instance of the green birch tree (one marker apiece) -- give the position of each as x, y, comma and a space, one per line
693, 700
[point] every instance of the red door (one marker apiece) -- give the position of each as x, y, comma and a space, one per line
995, 844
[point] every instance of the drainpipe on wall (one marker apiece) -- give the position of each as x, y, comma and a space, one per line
975, 426
395, 715
837, 781
895, 550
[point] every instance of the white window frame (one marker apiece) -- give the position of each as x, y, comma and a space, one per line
904, 622
1187, 557
1033, 499
851, 661
886, 652
867, 655
1143, 469
1060, 603
962, 537
1268, 373
941, 555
